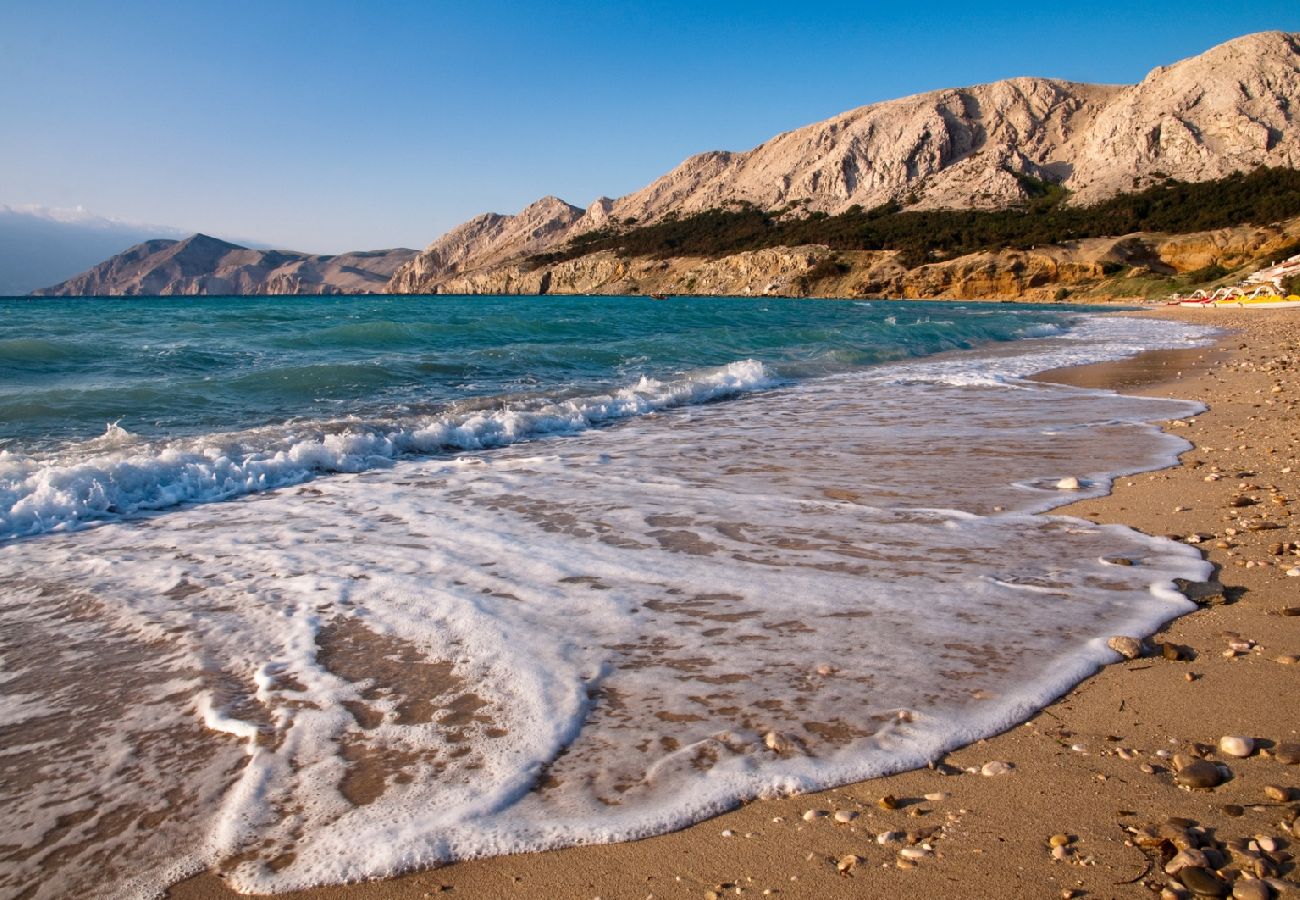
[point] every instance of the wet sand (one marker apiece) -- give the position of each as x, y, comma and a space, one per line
1091, 769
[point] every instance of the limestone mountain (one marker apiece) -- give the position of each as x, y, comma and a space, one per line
1234, 107
205, 265
488, 239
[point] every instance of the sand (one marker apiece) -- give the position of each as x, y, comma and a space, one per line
1093, 766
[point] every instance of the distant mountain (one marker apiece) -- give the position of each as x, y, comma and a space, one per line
1234, 107
40, 246
205, 265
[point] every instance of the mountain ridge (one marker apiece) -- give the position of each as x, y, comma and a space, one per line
200, 264
1235, 106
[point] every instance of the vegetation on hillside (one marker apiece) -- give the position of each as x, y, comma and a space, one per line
1263, 196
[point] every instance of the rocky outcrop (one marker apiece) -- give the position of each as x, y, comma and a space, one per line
1098, 268
1235, 107
487, 240
205, 265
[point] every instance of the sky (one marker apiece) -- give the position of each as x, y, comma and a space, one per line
327, 126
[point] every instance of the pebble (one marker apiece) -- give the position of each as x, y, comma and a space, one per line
1069, 483
1126, 646
996, 767
914, 853
845, 816
889, 801
1171, 652
937, 797
1203, 882
1293, 572
1199, 774
1287, 754
1251, 889
848, 863
1236, 745
777, 742
1267, 844
1060, 853
1277, 792
1059, 840
1184, 858
890, 837
813, 814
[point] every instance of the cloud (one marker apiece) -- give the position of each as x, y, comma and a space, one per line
79, 215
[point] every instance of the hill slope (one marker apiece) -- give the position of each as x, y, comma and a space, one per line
204, 265
1234, 107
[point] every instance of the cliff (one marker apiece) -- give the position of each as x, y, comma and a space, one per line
1097, 268
204, 265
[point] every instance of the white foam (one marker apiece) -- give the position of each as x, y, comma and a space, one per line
633, 609
119, 474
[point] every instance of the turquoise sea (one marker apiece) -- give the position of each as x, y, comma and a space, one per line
325, 589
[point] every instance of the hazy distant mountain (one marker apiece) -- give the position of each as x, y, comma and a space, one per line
1234, 107
40, 246
205, 265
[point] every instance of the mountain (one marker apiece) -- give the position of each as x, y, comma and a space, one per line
40, 246
1234, 107
205, 265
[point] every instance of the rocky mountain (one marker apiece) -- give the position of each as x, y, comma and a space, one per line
1235, 107
488, 239
205, 265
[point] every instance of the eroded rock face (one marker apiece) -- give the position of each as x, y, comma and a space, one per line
1233, 108
792, 271
487, 240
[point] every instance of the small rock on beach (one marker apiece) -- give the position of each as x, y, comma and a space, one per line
1126, 646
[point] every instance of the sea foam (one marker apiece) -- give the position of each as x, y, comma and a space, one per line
585, 639
120, 474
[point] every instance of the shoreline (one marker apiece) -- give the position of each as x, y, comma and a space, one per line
1078, 763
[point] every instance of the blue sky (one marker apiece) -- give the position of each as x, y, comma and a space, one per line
327, 126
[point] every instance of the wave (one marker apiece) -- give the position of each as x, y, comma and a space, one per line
36, 350
117, 474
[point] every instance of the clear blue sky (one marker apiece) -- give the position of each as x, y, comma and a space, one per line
327, 125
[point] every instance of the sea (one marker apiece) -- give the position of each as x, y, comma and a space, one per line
309, 590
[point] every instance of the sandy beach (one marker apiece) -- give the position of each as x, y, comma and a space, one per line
1093, 772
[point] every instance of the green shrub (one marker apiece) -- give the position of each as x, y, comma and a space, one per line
1212, 272
1260, 197
828, 267
1291, 285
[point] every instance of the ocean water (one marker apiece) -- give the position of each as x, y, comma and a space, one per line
314, 590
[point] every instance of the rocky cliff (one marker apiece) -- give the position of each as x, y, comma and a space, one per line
1235, 107
1097, 268
205, 265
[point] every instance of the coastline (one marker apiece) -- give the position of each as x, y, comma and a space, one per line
995, 830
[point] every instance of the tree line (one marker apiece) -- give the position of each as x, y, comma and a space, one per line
1044, 217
